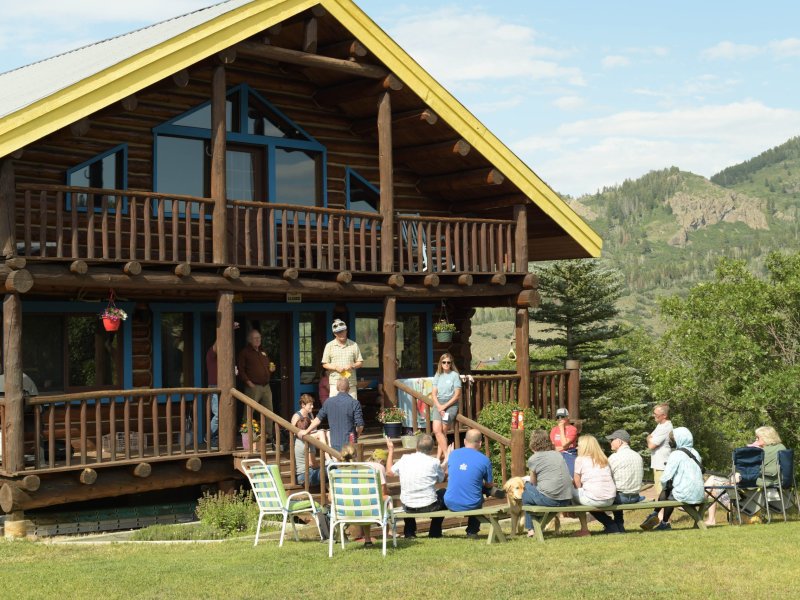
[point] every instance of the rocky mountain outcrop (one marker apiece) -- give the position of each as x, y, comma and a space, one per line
693, 212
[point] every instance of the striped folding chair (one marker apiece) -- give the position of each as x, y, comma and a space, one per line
357, 497
271, 497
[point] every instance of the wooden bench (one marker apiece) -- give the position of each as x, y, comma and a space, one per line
541, 515
487, 514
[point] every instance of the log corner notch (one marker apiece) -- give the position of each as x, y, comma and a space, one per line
19, 281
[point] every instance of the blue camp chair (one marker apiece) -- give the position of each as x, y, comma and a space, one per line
786, 485
748, 493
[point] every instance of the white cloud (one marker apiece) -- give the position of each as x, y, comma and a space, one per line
613, 61
731, 51
790, 47
488, 48
585, 155
569, 102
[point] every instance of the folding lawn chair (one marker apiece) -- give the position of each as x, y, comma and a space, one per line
748, 468
357, 497
786, 485
720, 491
272, 499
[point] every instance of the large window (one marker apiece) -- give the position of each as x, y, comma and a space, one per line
177, 358
269, 157
107, 170
411, 343
69, 353
311, 339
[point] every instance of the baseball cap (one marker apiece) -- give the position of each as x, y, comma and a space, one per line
620, 434
562, 413
338, 325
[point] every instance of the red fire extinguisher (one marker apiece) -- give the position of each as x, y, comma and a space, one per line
514, 419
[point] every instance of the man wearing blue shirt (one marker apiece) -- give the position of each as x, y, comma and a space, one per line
469, 477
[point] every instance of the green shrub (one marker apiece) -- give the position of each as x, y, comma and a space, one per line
178, 532
229, 513
497, 417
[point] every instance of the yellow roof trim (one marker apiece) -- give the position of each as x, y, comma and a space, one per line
110, 85
94, 93
464, 122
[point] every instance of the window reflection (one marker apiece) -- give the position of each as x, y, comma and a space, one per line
295, 177
176, 350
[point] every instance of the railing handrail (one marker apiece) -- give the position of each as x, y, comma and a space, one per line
492, 435
275, 418
431, 219
38, 400
77, 189
495, 377
310, 209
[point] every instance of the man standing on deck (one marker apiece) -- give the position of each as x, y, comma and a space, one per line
341, 358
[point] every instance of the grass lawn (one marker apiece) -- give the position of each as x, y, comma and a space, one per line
758, 561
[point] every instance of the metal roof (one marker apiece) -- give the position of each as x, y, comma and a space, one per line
24, 86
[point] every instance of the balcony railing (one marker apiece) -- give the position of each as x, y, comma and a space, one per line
58, 222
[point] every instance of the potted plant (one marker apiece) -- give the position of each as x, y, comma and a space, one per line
444, 331
249, 433
392, 419
112, 316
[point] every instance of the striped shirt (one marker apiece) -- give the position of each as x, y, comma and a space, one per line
627, 468
419, 473
341, 356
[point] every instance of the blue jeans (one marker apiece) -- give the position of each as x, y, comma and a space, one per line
215, 416
532, 495
313, 476
618, 520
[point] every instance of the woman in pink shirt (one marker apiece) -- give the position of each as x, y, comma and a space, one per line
594, 484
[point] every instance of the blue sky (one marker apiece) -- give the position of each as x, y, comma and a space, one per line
587, 93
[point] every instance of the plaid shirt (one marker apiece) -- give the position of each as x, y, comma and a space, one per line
341, 356
627, 468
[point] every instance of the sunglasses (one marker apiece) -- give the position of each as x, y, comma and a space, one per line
446, 362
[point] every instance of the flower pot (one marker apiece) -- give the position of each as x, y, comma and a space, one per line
444, 336
409, 441
111, 323
393, 430
246, 442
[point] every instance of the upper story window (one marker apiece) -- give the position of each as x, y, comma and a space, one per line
361, 194
107, 171
269, 157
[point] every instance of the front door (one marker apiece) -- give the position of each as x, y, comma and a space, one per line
277, 341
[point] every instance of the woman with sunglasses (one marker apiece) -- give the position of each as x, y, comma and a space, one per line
446, 394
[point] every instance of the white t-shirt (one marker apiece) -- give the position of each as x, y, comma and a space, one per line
660, 437
419, 473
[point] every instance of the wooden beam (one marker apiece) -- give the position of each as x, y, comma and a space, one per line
460, 180
225, 371
88, 476
396, 280
346, 50
521, 239
133, 267
465, 279
318, 10
404, 119
194, 464
8, 242
312, 61
181, 78
291, 274
356, 90
431, 280
459, 147
80, 128
219, 233
344, 277
79, 267
528, 299
19, 281
530, 281
16, 262
522, 349
231, 273
310, 36
490, 203
498, 279
129, 103
386, 181
142, 470
227, 56
517, 455
183, 269
389, 353
12, 497
30, 483
13, 426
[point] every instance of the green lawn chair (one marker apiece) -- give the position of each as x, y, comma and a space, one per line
357, 497
272, 499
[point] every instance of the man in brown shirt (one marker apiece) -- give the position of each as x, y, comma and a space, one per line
255, 369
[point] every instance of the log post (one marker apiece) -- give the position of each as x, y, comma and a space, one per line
521, 339
225, 371
8, 243
79, 267
344, 277
386, 179
16, 525
194, 464
14, 427
133, 267
521, 239
218, 149
88, 476
389, 362
574, 388
142, 470
517, 452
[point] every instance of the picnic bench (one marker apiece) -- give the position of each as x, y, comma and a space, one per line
486, 514
542, 515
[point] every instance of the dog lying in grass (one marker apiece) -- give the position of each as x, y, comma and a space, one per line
514, 488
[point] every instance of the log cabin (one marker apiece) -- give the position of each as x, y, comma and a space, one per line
276, 163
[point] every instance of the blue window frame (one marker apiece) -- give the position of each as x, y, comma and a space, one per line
108, 170
270, 158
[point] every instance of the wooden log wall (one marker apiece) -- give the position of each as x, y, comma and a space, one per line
142, 347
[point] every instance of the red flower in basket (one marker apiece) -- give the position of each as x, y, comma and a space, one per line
112, 316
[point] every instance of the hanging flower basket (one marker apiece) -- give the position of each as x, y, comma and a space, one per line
111, 324
444, 331
112, 316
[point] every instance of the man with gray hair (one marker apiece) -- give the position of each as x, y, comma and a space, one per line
419, 473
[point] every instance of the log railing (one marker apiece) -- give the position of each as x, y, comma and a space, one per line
76, 223
275, 424
120, 426
308, 238
462, 422
549, 391
489, 388
452, 245
2, 437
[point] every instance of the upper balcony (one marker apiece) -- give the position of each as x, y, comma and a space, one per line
102, 226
